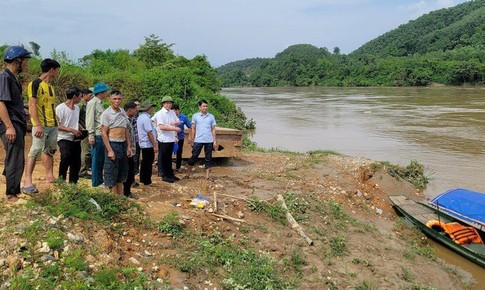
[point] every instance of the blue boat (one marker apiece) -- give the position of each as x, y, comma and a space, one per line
462, 204
452, 232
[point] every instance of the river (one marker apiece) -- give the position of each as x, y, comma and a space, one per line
442, 128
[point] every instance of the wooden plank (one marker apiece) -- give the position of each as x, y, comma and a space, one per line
230, 139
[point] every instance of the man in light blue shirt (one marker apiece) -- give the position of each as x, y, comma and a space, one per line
203, 134
180, 135
147, 137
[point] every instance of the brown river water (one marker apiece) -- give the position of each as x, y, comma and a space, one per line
442, 128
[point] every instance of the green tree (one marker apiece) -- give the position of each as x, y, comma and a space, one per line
154, 52
35, 48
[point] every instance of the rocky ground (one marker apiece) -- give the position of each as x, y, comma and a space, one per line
163, 242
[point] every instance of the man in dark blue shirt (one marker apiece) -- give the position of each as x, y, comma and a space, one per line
13, 124
180, 135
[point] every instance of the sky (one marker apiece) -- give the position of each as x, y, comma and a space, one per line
223, 30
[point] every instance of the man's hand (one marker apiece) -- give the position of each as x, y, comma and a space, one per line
129, 152
38, 131
11, 134
76, 133
111, 155
177, 129
155, 149
216, 146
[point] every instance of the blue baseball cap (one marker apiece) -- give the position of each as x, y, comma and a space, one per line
100, 87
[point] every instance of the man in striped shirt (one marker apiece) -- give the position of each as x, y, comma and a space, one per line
44, 121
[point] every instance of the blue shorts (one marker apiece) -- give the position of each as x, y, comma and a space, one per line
116, 171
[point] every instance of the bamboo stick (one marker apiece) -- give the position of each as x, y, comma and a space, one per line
223, 216
293, 222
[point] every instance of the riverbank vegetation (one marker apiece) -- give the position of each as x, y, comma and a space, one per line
443, 47
149, 72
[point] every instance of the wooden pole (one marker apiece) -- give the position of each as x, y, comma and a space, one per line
223, 216
293, 222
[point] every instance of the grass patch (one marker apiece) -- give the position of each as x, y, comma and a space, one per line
365, 285
416, 240
296, 262
55, 239
338, 246
170, 224
275, 211
407, 274
297, 205
86, 203
323, 153
242, 268
337, 210
415, 172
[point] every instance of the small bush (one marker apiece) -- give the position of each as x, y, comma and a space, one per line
276, 212
338, 246
170, 224
55, 239
414, 172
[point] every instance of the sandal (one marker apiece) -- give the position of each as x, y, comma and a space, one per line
30, 190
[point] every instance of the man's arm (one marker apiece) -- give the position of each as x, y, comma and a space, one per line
192, 134
128, 142
152, 140
10, 132
60, 127
38, 129
104, 135
90, 123
214, 137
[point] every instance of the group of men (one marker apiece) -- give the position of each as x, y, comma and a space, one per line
108, 142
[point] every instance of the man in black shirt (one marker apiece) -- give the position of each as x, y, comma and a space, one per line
13, 124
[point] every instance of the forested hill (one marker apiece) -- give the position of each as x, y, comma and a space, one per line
446, 46
441, 30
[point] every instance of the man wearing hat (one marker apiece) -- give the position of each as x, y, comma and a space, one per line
147, 137
167, 121
13, 122
94, 109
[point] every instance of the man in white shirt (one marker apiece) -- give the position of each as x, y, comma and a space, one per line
68, 138
167, 122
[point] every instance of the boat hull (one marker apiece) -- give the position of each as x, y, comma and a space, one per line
418, 214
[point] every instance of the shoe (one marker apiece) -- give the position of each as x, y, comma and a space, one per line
85, 175
135, 184
168, 179
132, 196
11, 199
30, 190
175, 178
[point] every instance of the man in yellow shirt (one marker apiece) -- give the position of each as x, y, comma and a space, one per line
44, 123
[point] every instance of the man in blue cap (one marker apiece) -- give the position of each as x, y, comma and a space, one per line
94, 109
13, 121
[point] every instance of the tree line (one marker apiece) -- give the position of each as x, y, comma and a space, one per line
149, 72
446, 46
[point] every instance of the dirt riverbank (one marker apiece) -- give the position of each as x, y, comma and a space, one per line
340, 202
